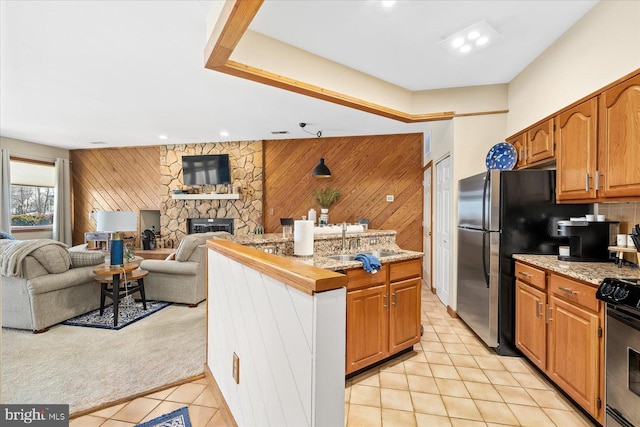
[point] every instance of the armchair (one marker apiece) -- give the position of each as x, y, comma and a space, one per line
183, 280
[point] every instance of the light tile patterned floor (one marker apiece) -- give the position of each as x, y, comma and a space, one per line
203, 408
450, 379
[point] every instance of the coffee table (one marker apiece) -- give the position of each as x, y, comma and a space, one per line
108, 275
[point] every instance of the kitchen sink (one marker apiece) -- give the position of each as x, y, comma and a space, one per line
352, 257
343, 257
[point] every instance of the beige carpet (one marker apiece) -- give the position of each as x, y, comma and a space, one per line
88, 367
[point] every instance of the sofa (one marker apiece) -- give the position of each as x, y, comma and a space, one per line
45, 283
181, 280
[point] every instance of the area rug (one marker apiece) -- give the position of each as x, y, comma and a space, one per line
128, 313
177, 418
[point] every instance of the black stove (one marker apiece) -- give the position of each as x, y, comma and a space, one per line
620, 292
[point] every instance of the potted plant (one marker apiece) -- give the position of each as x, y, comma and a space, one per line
325, 198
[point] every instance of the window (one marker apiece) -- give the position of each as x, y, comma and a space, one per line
32, 194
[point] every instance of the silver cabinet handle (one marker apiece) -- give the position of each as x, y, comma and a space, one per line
567, 290
394, 301
538, 304
522, 273
597, 184
586, 182
526, 153
386, 302
520, 155
549, 308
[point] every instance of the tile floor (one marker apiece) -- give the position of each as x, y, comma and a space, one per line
450, 379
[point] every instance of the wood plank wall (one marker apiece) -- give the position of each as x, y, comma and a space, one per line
365, 169
110, 179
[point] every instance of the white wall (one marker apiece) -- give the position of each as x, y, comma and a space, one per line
600, 48
291, 347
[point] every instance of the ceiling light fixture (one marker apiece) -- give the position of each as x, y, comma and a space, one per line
163, 136
321, 170
388, 3
224, 133
470, 39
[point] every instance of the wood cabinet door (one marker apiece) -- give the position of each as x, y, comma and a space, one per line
574, 352
404, 320
619, 144
576, 152
520, 144
540, 142
367, 327
531, 326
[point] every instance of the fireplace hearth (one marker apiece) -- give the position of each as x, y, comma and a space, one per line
206, 225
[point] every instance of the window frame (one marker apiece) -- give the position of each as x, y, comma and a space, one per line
33, 228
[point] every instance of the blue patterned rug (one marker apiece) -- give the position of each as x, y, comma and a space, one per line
177, 418
128, 313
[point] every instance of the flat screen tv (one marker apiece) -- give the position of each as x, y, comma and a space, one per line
208, 169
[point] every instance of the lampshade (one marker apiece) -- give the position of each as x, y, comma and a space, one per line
116, 221
321, 171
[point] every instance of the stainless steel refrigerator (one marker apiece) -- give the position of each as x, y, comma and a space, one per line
501, 213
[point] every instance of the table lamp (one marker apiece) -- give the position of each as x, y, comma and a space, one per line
115, 222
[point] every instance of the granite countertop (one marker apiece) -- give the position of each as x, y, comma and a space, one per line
331, 264
590, 272
256, 239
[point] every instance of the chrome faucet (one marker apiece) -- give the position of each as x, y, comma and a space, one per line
355, 243
344, 235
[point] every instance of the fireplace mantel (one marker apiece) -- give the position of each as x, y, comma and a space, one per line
204, 196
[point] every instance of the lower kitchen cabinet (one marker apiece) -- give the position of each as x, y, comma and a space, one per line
367, 326
574, 352
559, 329
383, 312
531, 326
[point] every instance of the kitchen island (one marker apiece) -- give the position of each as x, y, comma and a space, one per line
286, 320
560, 323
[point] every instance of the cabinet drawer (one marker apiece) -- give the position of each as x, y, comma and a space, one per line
359, 278
405, 269
578, 293
531, 275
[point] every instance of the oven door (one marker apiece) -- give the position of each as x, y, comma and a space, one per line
623, 366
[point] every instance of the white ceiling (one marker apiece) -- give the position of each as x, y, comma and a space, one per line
124, 72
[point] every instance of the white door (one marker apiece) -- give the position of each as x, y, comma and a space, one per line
426, 235
443, 229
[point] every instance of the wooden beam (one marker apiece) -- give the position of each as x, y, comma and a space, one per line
233, 22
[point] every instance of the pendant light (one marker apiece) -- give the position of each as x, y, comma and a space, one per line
321, 170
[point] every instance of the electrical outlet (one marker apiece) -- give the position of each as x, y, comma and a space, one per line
390, 198
269, 249
235, 372
271, 211
373, 241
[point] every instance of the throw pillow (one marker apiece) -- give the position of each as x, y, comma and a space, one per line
8, 236
55, 259
86, 258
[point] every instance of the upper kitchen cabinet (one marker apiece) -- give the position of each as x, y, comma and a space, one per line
535, 146
619, 140
540, 143
576, 137
519, 141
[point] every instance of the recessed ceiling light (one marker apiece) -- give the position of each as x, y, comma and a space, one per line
481, 35
482, 40
457, 42
163, 136
279, 132
388, 3
97, 142
224, 133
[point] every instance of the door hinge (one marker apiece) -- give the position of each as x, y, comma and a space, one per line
554, 129
599, 403
599, 331
554, 146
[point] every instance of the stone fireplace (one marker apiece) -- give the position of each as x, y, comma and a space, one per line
178, 217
